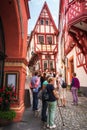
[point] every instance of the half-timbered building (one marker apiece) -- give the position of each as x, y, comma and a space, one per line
43, 43
73, 40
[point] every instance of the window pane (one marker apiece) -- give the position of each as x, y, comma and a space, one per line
46, 22
51, 65
41, 39
49, 39
42, 22
45, 65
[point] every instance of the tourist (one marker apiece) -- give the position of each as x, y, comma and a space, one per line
75, 85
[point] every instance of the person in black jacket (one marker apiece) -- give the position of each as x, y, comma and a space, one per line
52, 103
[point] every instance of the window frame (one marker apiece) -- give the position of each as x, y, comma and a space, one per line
45, 61
46, 22
48, 41
52, 64
12, 78
40, 42
41, 21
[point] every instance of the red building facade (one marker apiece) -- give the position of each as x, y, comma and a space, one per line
13, 48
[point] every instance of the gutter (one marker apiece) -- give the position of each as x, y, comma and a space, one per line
21, 19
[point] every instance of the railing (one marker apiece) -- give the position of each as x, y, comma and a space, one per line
77, 11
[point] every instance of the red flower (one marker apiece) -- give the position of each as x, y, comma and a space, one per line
7, 96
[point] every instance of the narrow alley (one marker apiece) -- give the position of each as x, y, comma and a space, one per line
49, 38
74, 117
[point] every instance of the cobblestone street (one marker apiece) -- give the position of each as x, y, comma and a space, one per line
74, 117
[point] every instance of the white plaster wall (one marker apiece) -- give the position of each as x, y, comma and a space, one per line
47, 29
52, 29
58, 62
81, 74
42, 28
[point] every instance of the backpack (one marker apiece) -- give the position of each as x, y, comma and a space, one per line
45, 95
40, 95
64, 84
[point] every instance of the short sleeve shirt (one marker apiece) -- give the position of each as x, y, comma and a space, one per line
50, 89
45, 83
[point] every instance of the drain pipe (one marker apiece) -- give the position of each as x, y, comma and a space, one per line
21, 19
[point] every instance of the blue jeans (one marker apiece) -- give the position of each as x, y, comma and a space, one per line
35, 101
44, 111
75, 94
51, 112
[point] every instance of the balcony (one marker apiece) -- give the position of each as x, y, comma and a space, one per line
77, 14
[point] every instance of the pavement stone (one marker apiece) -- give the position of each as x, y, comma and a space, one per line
74, 117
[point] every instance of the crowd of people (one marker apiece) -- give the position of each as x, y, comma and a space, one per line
50, 89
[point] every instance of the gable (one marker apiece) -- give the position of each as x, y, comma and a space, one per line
45, 22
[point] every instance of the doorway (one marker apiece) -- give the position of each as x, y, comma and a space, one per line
71, 64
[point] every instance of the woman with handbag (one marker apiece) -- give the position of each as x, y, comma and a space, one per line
52, 103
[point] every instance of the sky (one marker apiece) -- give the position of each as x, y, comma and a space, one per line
35, 7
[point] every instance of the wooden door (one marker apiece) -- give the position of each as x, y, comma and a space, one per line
71, 67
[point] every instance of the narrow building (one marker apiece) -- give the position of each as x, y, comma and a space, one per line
43, 43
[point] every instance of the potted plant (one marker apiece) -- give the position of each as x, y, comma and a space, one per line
7, 96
